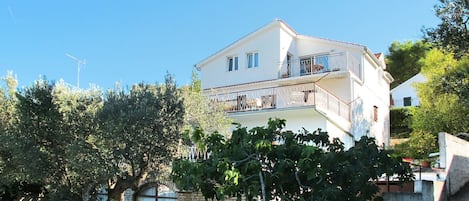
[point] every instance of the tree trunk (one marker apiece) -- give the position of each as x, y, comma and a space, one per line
262, 185
114, 195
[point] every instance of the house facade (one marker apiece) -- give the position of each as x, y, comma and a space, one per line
405, 94
311, 82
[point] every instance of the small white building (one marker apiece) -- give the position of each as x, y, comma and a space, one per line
405, 94
311, 82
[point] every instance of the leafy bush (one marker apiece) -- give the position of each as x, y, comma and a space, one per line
400, 122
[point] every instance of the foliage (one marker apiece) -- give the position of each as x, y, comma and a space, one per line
452, 33
40, 142
400, 119
201, 112
78, 108
419, 145
8, 191
67, 143
403, 60
45, 143
443, 98
269, 162
139, 131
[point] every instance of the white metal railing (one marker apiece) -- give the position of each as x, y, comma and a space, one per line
317, 64
282, 97
195, 154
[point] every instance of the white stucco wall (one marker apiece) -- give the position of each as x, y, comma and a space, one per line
339, 86
373, 91
288, 45
296, 120
215, 72
407, 89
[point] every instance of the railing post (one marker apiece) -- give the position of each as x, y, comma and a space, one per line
273, 98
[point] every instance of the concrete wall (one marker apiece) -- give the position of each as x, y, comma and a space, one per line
402, 196
454, 157
425, 195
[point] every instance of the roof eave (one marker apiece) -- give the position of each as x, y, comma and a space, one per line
276, 22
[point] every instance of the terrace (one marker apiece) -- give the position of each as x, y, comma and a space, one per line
317, 64
282, 97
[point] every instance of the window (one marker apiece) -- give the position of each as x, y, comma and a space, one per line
232, 63
253, 59
375, 113
407, 101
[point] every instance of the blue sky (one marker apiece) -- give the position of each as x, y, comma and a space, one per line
135, 41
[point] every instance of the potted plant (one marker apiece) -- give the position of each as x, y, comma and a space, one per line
421, 144
417, 148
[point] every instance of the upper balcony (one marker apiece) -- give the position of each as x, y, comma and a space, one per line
282, 97
317, 64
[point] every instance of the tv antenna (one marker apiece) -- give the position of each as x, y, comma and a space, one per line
79, 64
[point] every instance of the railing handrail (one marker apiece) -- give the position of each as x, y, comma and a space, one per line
282, 97
287, 85
336, 61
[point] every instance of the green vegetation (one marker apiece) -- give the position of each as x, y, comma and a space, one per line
400, 119
444, 103
138, 135
268, 162
201, 112
444, 98
62, 143
403, 60
452, 33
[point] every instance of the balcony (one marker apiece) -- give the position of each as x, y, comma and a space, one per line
317, 64
292, 96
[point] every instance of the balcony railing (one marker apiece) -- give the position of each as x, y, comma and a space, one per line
282, 97
317, 64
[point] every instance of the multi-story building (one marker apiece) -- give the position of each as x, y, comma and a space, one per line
311, 82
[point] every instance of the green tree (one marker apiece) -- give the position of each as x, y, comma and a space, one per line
269, 162
403, 59
139, 133
38, 155
201, 112
47, 142
85, 168
8, 187
452, 33
444, 103
400, 119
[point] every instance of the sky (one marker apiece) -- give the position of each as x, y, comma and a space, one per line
129, 42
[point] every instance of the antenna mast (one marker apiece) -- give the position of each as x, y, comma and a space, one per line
79, 64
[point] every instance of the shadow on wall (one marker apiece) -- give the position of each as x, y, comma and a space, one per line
361, 124
457, 180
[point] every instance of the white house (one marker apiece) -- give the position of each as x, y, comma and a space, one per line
311, 82
405, 94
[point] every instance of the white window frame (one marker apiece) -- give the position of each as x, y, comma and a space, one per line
232, 63
252, 59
